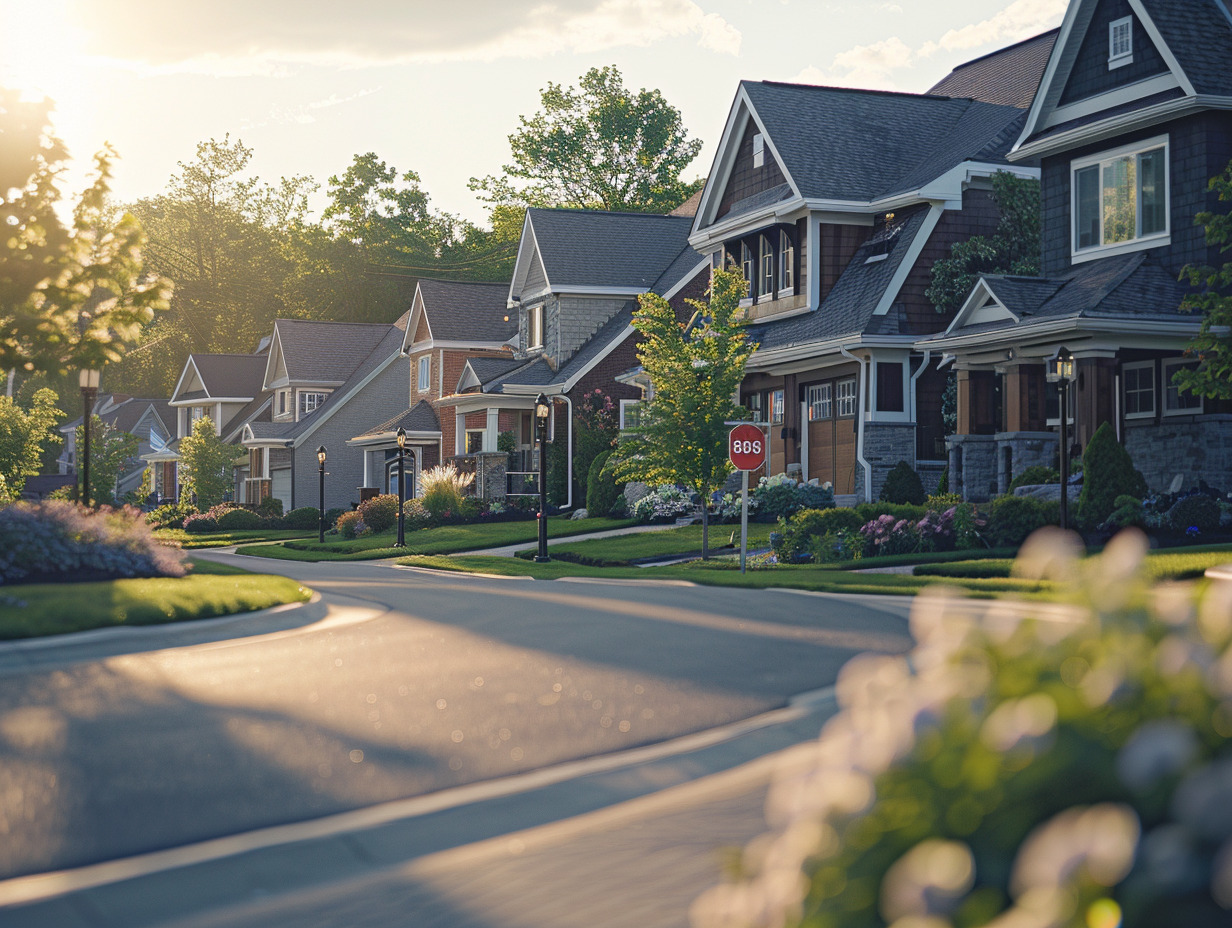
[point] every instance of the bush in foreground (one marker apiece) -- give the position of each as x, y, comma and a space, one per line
1015, 769
60, 541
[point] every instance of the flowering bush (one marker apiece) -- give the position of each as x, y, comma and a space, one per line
350, 525
887, 535
414, 515
663, 504
955, 528
60, 541
781, 496
1018, 768
380, 513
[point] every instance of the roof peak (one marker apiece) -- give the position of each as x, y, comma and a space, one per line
1006, 48
605, 212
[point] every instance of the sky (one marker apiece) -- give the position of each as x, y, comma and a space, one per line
437, 86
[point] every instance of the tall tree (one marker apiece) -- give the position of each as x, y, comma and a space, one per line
696, 369
1212, 346
206, 463
26, 436
597, 146
71, 295
111, 451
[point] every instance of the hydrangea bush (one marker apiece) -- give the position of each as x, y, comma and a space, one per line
61, 541
780, 496
663, 504
1022, 767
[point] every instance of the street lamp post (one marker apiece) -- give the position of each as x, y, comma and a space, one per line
321, 516
1061, 372
543, 409
401, 542
88, 380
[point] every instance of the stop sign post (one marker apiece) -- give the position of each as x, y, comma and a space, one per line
746, 449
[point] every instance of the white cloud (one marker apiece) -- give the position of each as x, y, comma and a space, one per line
234, 37
306, 113
1019, 20
870, 66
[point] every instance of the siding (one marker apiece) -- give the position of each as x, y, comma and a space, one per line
1090, 75
571, 321
746, 180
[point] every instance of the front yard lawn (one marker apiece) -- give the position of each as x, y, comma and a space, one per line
620, 550
1167, 564
38, 609
189, 541
444, 539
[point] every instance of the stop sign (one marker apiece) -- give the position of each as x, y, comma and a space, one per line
746, 447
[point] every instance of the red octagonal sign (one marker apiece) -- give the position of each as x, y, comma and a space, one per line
746, 447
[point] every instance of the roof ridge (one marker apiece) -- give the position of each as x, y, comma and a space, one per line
1005, 48
327, 322
608, 212
864, 90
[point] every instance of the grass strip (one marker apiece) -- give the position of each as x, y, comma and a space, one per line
211, 590
1168, 564
622, 550
191, 542
443, 539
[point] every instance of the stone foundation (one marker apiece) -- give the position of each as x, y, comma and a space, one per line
973, 466
885, 444
1194, 447
1016, 451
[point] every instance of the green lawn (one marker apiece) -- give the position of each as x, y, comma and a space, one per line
619, 551
1168, 564
35, 610
444, 539
190, 542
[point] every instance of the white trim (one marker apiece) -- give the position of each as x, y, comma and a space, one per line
207, 400
703, 265
193, 364
418, 311
1139, 242
1139, 365
907, 265
317, 420
423, 373
1120, 59
520, 272
1166, 382
623, 404
582, 290
275, 340
1112, 98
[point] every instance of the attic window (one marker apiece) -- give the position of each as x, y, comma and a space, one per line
759, 149
1120, 42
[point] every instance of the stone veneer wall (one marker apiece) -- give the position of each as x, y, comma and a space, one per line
973, 466
1027, 449
1197, 447
885, 444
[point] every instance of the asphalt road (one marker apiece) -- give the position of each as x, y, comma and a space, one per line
412, 683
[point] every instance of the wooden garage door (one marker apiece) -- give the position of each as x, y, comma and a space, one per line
832, 433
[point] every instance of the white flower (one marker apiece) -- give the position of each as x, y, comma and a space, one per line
930, 879
1098, 841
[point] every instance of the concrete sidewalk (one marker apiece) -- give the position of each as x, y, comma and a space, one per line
617, 840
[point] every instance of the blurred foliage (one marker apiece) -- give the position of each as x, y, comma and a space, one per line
1213, 345
28, 437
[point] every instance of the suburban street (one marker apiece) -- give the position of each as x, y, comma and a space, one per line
398, 684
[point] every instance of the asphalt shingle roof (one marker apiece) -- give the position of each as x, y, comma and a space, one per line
468, 311
324, 351
596, 248
1008, 76
1199, 34
491, 369
843, 144
419, 418
229, 374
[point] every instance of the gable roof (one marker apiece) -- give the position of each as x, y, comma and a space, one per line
1191, 40
465, 311
1009, 76
322, 352
231, 376
420, 418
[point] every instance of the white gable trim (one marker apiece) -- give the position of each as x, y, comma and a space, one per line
271, 371
528, 251
906, 266
981, 305
468, 378
184, 373
418, 311
236, 433
1111, 99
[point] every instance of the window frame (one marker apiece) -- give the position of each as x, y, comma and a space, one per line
1138, 366
748, 268
845, 400
302, 399
466, 443
896, 396
626, 405
1120, 59
1099, 161
765, 268
1168, 366
786, 276
754, 403
423, 383
777, 406
820, 402
534, 327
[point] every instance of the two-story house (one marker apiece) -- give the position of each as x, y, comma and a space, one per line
1131, 120
151, 421
451, 322
834, 203
327, 381
574, 290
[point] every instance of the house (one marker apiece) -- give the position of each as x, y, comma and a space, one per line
834, 203
225, 387
151, 421
1131, 119
574, 290
450, 323
327, 382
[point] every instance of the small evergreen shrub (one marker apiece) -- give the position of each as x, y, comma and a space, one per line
1198, 512
171, 515
351, 525
1128, 512
379, 513
239, 520
602, 488
903, 485
1012, 519
270, 508
302, 518
1034, 475
1107, 472
943, 484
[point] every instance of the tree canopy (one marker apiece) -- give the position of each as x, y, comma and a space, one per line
26, 435
111, 450
205, 463
1213, 345
597, 146
696, 369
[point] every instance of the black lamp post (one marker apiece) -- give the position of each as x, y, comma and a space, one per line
88, 380
321, 520
401, 542
543, 409
1061, 372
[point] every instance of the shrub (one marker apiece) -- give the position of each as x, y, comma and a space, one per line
332, 515
414, 515
1128, 512
270, 508
1013, 770
602, 488
1012, 518
869, 511
663, 504
903, 485
59, 541
781, 496
939, 502
798, 534
1107, 472
887, 535
303, 517
171, 515
444, 492
200, 523
943, 482
1034, 475
380, 513
351, 525
239, 520
1199, 512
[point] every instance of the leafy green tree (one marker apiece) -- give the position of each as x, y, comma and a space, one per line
596, 424
26, 435
1212, 346
597, 146
1014, 248
206, 464
111, 451
696, 370
71, 295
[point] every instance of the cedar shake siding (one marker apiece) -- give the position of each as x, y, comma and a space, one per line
838, 246
746, 180
1091, 75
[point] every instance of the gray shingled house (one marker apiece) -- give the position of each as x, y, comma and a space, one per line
1131, 120
150, 420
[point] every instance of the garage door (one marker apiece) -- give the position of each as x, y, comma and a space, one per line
280, 487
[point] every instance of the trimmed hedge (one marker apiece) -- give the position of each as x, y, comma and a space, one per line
239, 520
1011, 519
903, 485
304, 517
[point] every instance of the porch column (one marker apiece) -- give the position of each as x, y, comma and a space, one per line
367, 467
459, 434
1094, 396
491, 430
964, 402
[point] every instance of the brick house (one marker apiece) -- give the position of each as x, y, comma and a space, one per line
574, 289
1130, 122
835, 203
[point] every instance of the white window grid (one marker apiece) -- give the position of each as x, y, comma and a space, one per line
1176, 401
534, 326
847, 397
787, 261
1138, 386
310, 402
1111, 161
759, 149
425, 373
766, 277
1120, 42
820, 402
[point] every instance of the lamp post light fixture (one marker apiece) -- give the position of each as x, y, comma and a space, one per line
543, 410
1060, 371
88, 380
321, 518
401, 542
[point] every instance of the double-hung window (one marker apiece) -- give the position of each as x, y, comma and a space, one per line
787, 262
847, 397
776, 406
820, 402
310, 402
425, 373
765, 286
534, 327
1120, 199
1120, 42
746, 268
1138, 384
1176, 401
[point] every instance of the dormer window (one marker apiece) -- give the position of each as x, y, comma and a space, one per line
1120, 199
787, 264
1120, 42
534, 327
759, 150
766, 277
309, 402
